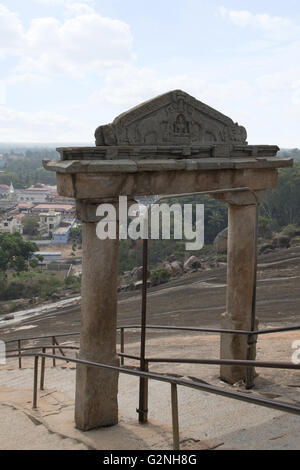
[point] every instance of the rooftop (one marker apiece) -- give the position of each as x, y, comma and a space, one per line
63, 207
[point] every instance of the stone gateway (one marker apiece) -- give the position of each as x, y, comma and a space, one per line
173, 144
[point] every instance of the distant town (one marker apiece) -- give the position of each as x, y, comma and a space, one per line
38, 211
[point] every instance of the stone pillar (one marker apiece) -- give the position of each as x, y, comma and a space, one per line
241, 276
96, 389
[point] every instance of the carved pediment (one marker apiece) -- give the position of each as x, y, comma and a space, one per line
174, 118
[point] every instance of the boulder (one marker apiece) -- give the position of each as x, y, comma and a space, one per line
220, 242
266, 248
55, 296
9, 317
137, 274
177, 268
139, 285
281, 241
192, 264
168, 267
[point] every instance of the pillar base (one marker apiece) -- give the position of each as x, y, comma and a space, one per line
234, 347
96, 403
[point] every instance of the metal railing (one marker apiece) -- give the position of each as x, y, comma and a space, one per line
173, 381
144, 375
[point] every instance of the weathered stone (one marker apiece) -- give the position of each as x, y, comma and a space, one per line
174, 118
168, 267
8, 317
266, 248
220, 242
96, 389
173, 144
108, 185
137, 274
177, 268
192, 264
240, 284
281, 241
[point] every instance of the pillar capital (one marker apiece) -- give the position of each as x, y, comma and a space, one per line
241, 198
87, 208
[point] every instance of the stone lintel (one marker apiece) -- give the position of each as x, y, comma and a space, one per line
158, 165
165, 152
88, 186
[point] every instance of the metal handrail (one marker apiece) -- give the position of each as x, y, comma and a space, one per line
174, 328
144, 375
277, 405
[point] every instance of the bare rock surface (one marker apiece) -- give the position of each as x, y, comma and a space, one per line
206, 420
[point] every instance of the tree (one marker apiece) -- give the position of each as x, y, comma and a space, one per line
282, 204
15, 253
264, 227
30, 225
76, 234
159, 276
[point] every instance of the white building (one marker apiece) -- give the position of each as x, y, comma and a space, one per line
66, 210
11, 225
36, 194
49, 222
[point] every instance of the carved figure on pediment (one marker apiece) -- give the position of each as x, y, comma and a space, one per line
181, 125
238, 133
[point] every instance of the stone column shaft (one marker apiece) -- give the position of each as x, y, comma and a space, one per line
96, 389
240, 284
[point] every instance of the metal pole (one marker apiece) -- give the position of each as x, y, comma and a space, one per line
175, 420
122, 345
143, 396
252, 340
35, 381
53, 351
20, 358
42, 380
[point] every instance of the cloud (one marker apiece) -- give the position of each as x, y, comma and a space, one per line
275, 27
77, 9
267, 104
130, 85
11, 32
60, 2
2, 92
83, 43
40, 127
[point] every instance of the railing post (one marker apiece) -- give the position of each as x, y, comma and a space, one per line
53, 351
143, 396
122, 345
35, 381
143, 401
252, 340
42, 380
175, 420
20, 356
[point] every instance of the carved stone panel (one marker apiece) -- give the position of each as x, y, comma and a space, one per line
174, 118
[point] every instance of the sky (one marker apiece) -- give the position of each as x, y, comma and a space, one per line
68, 66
